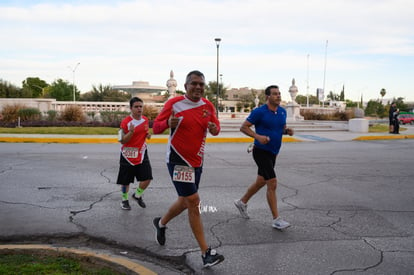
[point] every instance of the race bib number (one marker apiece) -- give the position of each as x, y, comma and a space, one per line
130, 152
184, 174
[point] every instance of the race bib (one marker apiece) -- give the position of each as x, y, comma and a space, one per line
184, 174
130, 152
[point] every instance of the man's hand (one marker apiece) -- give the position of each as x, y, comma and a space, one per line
289, 131
173, 121
131, 128
263, 139
212, 127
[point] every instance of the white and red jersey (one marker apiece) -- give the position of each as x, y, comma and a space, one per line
134, 149
187, 140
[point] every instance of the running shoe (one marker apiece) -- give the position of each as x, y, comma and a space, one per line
125, 205
280, 224
159, 231
139, 200
242, 208
212, 258
250, 148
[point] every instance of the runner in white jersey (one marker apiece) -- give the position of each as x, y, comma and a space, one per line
134, 161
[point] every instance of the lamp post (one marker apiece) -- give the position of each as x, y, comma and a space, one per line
220, 91
217, 95
73, 83
42, 88
307, 83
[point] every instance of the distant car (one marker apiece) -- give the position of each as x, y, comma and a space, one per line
406, 118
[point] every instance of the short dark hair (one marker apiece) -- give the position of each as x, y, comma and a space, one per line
195, 72
133, 100
267, 91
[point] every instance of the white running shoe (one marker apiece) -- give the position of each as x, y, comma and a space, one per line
250, 148
280, 224
242, 208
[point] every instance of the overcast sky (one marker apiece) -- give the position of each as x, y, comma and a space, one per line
363, 45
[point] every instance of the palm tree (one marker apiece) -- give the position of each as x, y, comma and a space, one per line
382, 93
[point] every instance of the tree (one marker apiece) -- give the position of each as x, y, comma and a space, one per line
247, 101
333, 96
61, 90
302, 100
34, 87
350, 103
105, 93
382, 93
342, 95
8, 90
210, 92
375, 108
401, 105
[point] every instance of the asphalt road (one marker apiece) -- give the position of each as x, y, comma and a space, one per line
350, 204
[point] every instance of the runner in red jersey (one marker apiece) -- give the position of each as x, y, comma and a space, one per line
189, 117
134, 161
193, 120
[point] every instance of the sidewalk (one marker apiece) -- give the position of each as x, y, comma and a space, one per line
224, 137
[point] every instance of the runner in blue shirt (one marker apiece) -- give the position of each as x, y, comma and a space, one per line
269, 121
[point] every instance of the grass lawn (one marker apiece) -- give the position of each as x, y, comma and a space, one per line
25, 264
61, 130
65, 130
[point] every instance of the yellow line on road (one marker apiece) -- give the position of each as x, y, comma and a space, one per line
114, 140
384, 137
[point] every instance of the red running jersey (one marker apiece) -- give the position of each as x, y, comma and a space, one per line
188, 139
134, 149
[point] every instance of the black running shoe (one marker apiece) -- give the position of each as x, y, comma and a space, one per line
160, 231
125, 205
212, 258
139, 200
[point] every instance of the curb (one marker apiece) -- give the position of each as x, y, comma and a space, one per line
114, 140
384, 137
164, 140
111, 260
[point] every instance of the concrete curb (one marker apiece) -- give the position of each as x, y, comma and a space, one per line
384, 137
111, 260
114, 140
164, 139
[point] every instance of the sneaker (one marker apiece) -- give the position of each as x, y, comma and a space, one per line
250, 148
242, 208
212, 258
125, 205
139, 200
160, 231
280, 224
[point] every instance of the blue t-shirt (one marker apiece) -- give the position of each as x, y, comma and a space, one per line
269, 123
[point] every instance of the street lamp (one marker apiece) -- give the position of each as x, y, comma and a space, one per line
73, 83
220, 92
217, 95
42, 88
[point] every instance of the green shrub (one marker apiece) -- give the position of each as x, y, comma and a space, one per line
91, 115
115, 117
27, 114
337, 116
73, 113
52, 115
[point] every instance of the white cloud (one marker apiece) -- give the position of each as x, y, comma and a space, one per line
263, 41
